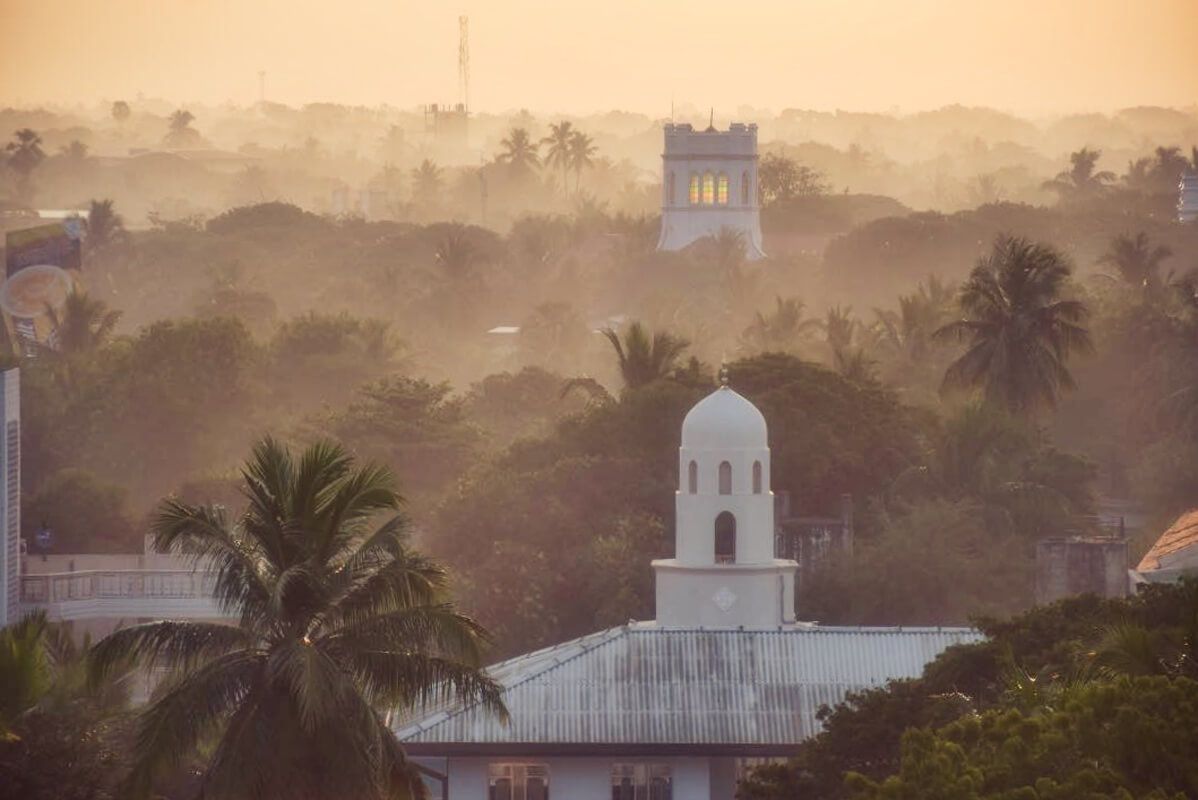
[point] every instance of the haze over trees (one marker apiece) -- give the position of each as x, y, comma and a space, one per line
494, 325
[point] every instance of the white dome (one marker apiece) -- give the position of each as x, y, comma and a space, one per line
722, 421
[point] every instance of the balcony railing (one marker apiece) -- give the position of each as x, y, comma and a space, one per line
62, 587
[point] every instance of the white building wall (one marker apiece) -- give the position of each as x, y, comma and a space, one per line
583, 777
10, 496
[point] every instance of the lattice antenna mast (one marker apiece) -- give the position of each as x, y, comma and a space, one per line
464, 61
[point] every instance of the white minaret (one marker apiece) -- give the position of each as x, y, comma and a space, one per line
724, 574
709, 182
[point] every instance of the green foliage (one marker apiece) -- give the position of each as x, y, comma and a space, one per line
339, 621
84, 514
934, 563
828, 435
1132, 738
60, 737
323, 358
1049, 702
417, 427
264, 219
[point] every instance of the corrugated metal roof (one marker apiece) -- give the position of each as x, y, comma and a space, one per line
649, 685
1181, 534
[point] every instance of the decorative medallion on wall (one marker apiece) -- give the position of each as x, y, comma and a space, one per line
724, 599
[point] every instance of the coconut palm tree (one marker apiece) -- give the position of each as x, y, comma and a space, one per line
520, 153
455, 253
427, 183
1081, 180
1019, 331
1137, 262
25, 154
104, 225
581, 155
644, 358
782, 331
558, 155
179, 131
339, 621
83, 323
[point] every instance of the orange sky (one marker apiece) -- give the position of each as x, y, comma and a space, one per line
1023, 55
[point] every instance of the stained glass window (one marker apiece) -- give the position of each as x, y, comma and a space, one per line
722, 190
694, 189
708, 189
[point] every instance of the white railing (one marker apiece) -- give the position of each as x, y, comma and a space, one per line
145, 593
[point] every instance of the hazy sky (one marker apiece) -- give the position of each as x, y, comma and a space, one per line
1022, 55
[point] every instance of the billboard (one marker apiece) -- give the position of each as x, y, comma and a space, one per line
57, 244
38, 277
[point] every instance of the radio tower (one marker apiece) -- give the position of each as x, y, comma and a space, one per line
464, 62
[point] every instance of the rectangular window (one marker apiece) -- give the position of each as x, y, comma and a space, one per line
518, 782
641, 782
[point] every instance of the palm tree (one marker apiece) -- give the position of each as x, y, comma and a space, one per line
1020, 332
179, 131
1137, 262
1080, 180
838, 326
25, 154
558, 140
82, 324
426, 184
104, 225
455, 253
42, 668
581, 154
338, 622
24, 669
644, 359
783, 331
520, 153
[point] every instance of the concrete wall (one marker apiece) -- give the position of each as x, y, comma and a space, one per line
1071, 566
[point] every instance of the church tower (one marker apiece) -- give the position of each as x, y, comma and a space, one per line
709, 182
724, 574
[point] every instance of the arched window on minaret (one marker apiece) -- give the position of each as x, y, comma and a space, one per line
708, 189
725, 478
756, 477
725, 538
670, 188
744, 188
694, 189
692, 477
721, 195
